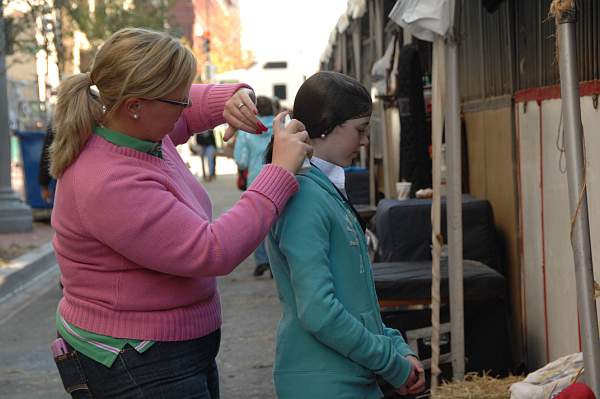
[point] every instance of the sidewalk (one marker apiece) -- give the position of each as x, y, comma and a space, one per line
14, 245
23, 256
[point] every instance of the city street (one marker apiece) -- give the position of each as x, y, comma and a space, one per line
250, 313
453, 193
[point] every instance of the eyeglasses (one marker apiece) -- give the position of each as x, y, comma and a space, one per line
185, 104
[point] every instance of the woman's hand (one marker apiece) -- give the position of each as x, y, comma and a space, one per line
415, 382
240, 113
290, 144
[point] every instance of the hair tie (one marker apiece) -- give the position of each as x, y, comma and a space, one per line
92, 86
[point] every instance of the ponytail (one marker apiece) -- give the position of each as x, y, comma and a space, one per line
77, 111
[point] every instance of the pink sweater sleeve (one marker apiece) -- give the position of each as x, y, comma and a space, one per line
206, 112
140, 220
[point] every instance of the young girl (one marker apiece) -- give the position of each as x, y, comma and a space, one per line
331, 340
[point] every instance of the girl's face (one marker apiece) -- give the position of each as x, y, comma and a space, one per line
342, 145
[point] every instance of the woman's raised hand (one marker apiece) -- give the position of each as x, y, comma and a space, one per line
240, 113
290, 143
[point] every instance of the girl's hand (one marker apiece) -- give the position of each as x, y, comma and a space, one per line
290, 144
240, 113
418, 382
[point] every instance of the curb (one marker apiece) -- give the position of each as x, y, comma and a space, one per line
24, 270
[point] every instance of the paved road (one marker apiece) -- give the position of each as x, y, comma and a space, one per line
26, 326
250, 312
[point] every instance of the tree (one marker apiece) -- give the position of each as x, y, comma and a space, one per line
97, 21
109, 16
30, 17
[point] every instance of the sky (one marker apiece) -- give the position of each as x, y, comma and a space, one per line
294, 29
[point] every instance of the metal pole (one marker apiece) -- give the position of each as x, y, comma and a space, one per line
15, 216
454, 203
580, 238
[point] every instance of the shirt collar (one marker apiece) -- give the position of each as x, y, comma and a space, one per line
123, 140
333, 172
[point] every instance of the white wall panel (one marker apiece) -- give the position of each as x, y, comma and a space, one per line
561, 296
590, 119
545, 218
531, 220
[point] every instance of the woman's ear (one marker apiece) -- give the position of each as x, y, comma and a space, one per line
133, 107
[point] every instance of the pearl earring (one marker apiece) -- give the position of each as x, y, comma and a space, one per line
323, 136
135, 116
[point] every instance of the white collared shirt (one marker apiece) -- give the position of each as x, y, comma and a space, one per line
333, 172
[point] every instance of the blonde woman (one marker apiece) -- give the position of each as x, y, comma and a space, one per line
135, 238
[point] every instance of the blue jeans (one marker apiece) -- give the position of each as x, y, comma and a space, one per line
207, 154
168, 370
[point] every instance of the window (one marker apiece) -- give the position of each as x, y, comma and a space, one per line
280, 91
275, 65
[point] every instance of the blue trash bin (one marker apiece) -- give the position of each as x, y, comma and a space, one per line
31, 144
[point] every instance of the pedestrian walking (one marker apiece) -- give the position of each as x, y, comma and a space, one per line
135, 238
206, 148
331, 340
249, 153
44, 178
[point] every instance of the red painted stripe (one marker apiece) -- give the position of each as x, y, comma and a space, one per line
543, 237
540, 94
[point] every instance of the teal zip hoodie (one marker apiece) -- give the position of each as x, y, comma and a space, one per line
331, 340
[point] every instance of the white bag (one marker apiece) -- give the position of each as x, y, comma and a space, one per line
422, 18
549, 381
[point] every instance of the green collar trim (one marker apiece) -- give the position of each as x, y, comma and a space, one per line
123, 140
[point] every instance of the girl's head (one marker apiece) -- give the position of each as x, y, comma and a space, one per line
134, 72
328, 99
336, 110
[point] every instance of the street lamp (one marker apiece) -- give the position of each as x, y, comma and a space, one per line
15, 216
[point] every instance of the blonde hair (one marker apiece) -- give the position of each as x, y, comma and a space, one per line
132, 63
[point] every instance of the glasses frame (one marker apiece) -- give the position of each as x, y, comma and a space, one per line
185, 104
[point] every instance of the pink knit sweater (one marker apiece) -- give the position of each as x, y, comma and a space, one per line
135, 239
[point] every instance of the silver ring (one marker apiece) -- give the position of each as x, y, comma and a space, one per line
241, 105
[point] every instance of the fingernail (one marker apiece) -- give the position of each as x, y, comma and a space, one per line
261, 126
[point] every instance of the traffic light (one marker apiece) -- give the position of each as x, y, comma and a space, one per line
206, 42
